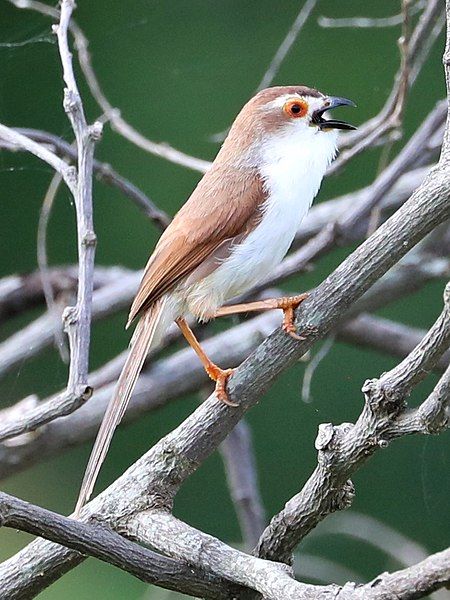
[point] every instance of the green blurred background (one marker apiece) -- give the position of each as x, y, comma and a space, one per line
180, 71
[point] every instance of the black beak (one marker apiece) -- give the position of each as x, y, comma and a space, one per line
332, 102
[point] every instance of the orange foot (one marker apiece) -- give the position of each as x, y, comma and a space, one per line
220, 376
288, 305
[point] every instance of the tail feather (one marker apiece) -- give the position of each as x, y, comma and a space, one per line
148, 332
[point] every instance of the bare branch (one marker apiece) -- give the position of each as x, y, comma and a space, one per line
104, 173
161, 530
286, 44
344, 448
77, 319
240, 467
181, 541
386, 336
42, 259
279, 56
20, 141
101, 542
368, 22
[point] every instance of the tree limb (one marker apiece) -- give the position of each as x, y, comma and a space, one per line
344, 448
106, 545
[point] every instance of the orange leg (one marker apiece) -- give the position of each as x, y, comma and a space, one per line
217, 374
287, 305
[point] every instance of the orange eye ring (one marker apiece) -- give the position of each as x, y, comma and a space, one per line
295, 108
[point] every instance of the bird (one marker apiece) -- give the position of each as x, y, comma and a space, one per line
233, 230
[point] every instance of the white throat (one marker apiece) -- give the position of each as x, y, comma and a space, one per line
293, 165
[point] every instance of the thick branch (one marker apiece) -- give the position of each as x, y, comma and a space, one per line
343, 449
106, 545
160, 529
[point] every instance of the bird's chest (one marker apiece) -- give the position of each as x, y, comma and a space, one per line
290, 194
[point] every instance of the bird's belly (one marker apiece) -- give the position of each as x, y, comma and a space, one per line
254, 259
248, 264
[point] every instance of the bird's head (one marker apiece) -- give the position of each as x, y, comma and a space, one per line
295, 112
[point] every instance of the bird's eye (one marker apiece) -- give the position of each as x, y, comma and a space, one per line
295, 108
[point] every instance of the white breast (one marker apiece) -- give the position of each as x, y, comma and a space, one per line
292, 169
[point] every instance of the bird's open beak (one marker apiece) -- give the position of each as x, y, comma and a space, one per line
332, 102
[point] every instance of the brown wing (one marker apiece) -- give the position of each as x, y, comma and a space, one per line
222, 207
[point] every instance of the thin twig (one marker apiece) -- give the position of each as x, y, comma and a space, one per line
240, 466
104, 173
369, 22
279, 56
42, 260
112, 114
286, 44
20, 141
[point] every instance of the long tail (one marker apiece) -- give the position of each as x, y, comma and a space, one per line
148, 333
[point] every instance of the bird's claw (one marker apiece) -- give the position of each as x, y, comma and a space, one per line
291, 329
220, 376
289, 317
